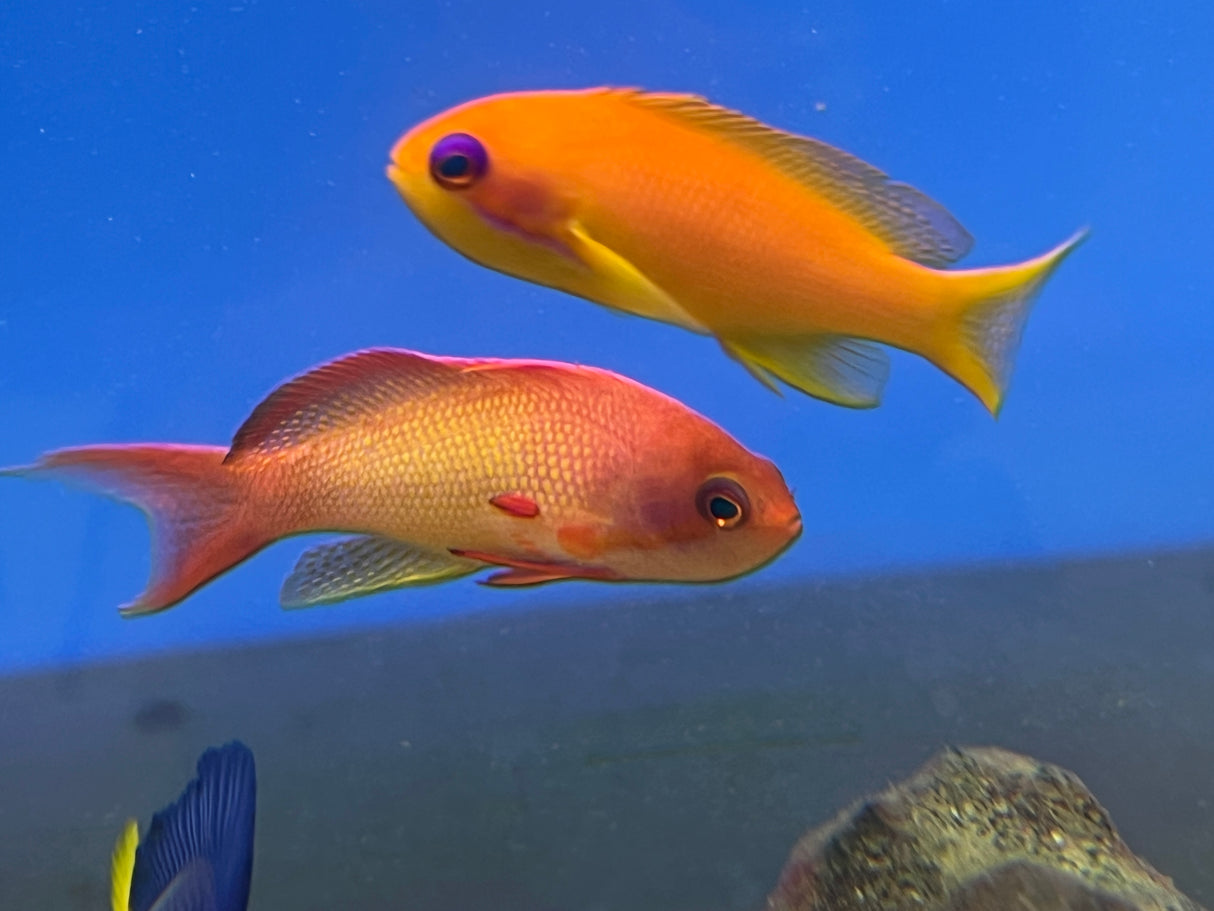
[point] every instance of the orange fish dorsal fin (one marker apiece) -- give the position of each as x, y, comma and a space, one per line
336, 394
914, 226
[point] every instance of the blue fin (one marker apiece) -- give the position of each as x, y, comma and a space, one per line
198, 852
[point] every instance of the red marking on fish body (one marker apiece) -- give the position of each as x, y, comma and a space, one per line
516, 504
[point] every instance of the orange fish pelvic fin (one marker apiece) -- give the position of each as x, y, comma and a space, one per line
534, 572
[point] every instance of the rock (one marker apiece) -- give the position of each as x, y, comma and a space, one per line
974, 830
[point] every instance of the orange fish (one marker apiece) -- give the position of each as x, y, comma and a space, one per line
443, 466
795, 255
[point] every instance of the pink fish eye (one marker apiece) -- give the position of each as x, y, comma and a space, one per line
723, 503
457, 161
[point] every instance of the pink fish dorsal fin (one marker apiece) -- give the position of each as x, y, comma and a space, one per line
914, 226
338, 393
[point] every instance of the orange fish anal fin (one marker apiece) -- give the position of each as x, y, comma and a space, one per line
844, 371
534, 572
516, 504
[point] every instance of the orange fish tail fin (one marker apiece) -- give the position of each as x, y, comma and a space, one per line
196, 507
985, 314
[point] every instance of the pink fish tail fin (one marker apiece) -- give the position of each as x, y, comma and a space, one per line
985, 314
197, 508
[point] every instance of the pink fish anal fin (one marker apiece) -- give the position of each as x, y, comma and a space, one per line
516, 504
534, 572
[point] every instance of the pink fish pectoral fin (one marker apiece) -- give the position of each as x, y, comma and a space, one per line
837, 369
534, 572
618, 283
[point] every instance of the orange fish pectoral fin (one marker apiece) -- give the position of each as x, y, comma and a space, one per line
838, 369
617, 283
364, 565
534, 572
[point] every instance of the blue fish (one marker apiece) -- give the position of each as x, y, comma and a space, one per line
198, 852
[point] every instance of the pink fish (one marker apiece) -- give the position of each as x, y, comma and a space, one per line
442, 466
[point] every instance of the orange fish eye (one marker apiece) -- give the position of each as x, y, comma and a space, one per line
723, 502
457, 161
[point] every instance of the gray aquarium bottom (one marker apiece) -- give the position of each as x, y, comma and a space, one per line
637, 754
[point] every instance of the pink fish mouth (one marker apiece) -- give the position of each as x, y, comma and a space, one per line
794, 526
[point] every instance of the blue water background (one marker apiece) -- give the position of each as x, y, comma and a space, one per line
195, 210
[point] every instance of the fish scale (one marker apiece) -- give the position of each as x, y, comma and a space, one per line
420, 469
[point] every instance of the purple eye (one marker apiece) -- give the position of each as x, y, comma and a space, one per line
458, 161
